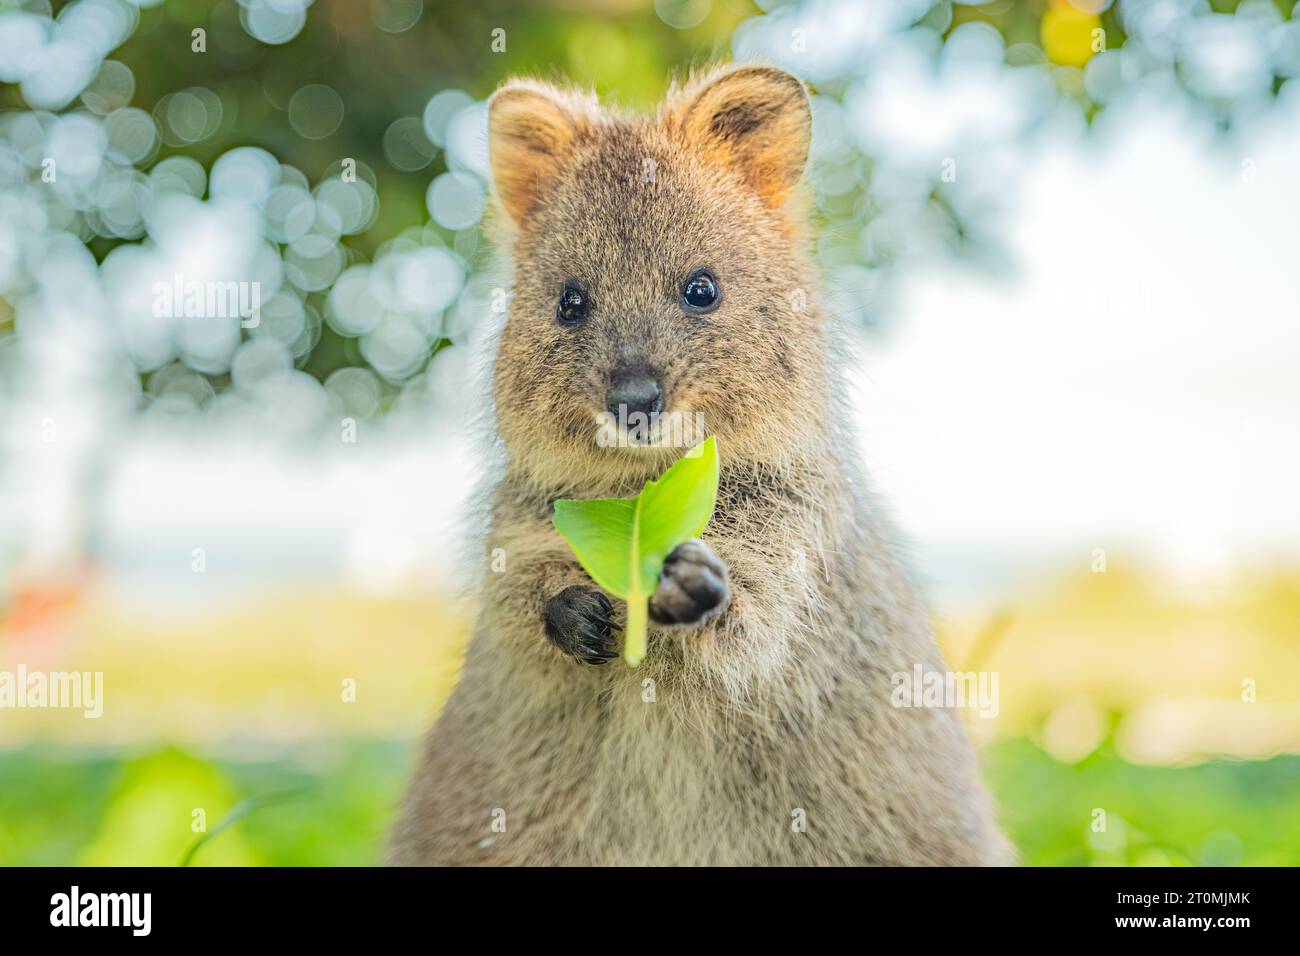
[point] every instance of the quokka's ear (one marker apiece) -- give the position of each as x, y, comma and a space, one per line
756, 120
532, 131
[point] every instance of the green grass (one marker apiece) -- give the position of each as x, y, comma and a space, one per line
65, 808
1224, 813
332, 805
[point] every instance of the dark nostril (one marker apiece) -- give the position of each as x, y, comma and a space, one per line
633, 390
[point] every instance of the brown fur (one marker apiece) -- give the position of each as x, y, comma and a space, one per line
781, 704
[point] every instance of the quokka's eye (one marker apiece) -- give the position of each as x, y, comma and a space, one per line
574, 306
700, 293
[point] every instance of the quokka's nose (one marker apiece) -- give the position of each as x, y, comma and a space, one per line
634, 389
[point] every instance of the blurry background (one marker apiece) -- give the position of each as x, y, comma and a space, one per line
1062, 232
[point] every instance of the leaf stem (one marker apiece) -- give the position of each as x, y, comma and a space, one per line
634, 638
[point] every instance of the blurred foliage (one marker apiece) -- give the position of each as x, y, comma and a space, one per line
59, 809
62, 809
882, 202
1221, 813
164, 786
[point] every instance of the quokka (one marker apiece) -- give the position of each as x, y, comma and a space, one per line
660, 266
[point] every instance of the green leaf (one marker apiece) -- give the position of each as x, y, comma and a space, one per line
623, 542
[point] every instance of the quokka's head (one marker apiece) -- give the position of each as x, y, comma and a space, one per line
660, 289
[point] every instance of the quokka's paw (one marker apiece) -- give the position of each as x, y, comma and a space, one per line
577, 622
692, 586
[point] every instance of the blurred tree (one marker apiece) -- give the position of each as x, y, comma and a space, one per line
395, 87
